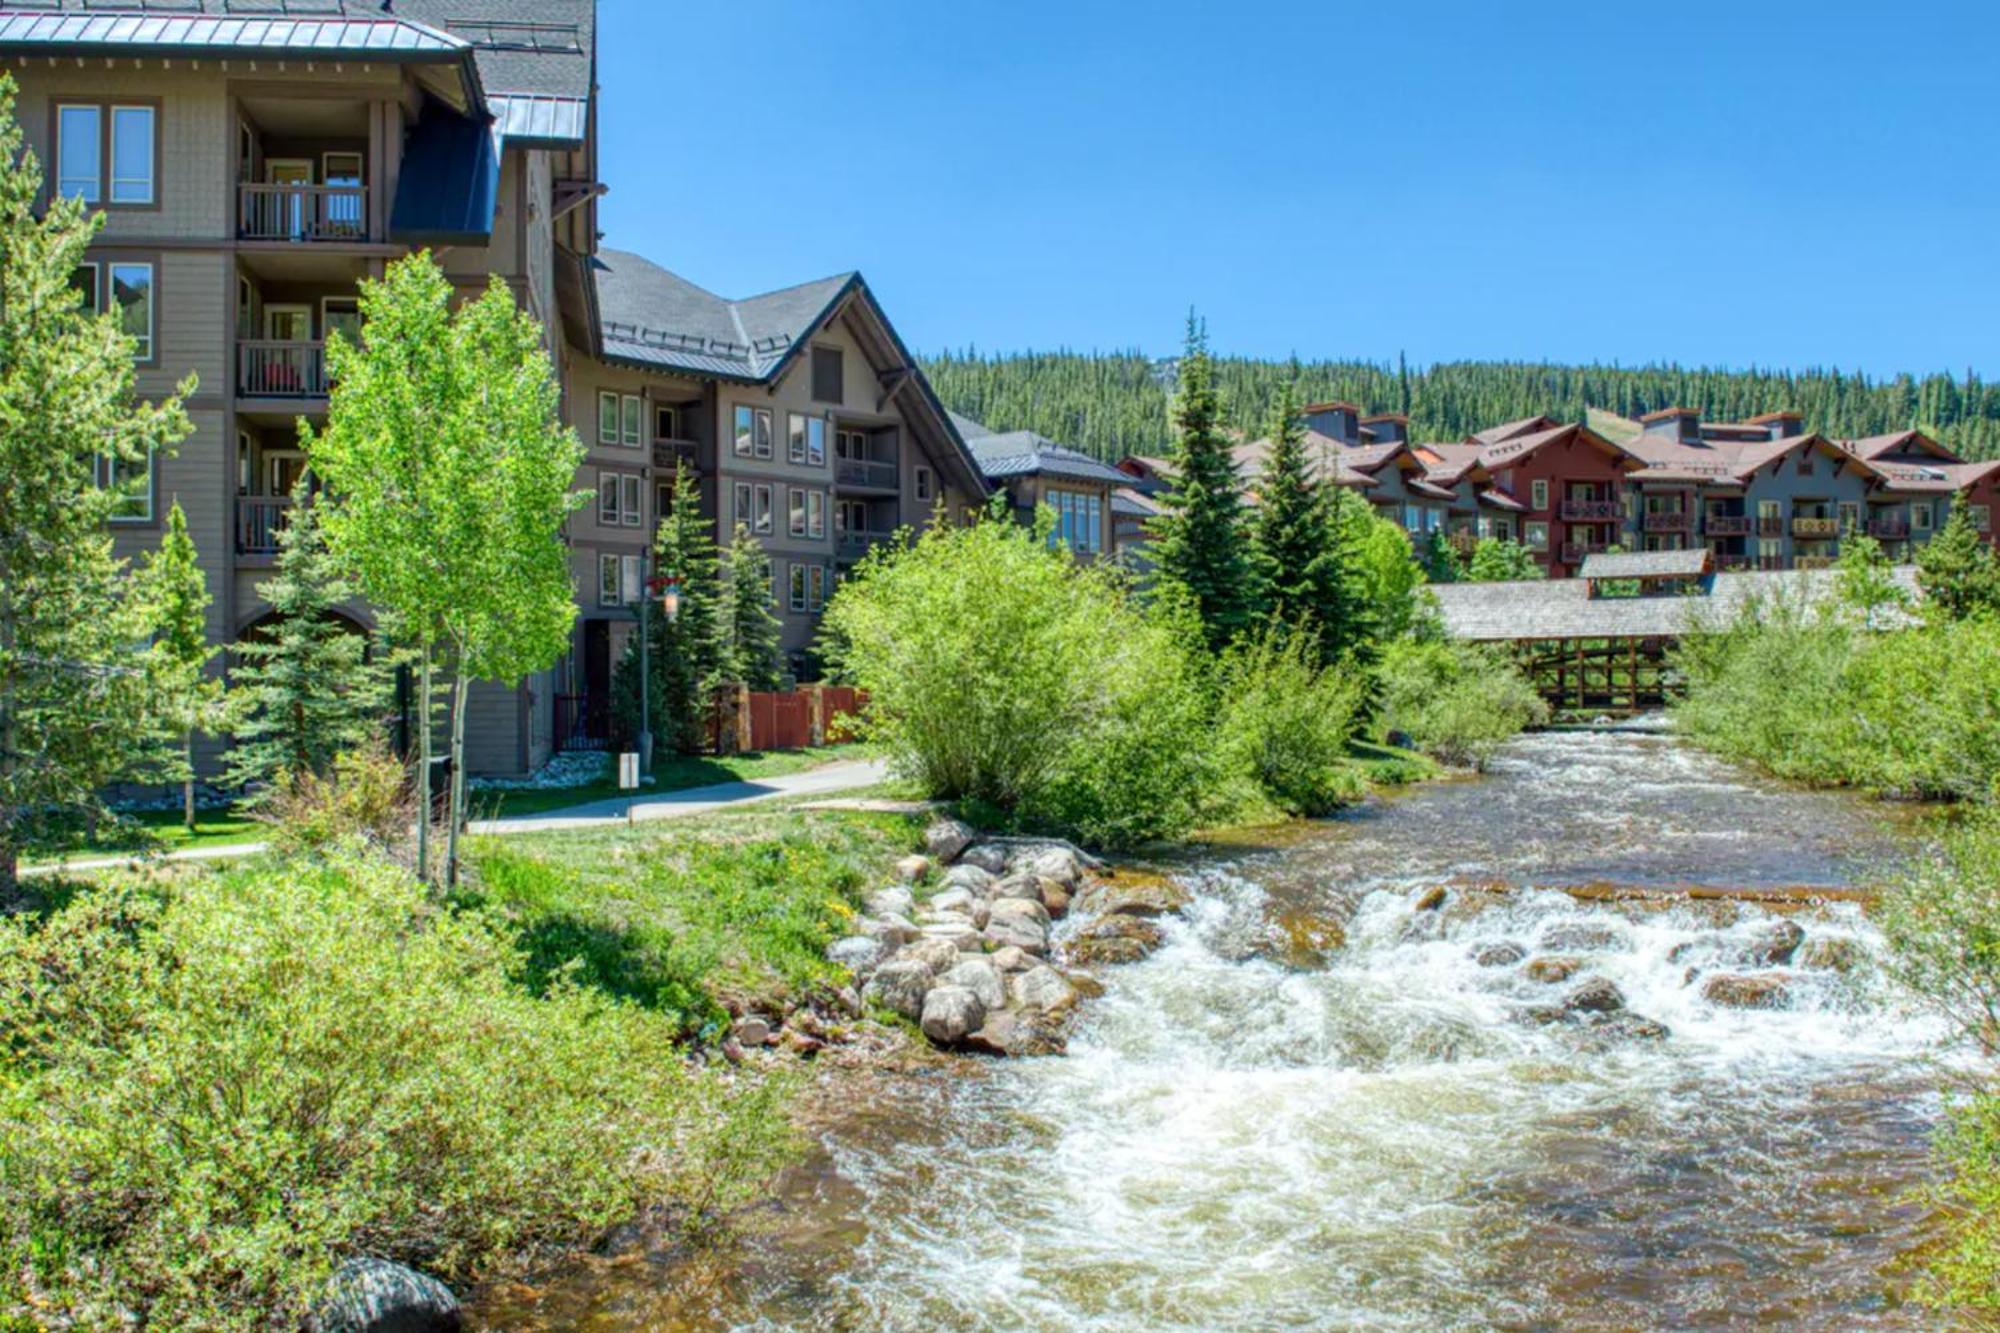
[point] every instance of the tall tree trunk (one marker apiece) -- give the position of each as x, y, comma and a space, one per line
187, 784
458, 692
424, 765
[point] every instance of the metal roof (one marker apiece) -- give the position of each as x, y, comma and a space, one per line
1023, 453
180, 34
538, 120
1688, 564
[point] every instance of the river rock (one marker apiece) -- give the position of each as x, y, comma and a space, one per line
1428, 900
1133, 896
1043, 988
891, 929
957, 900
1595, 996
1085, 984
951, 1014
1017, 1033
936, 954
910, 869
1303, 939
900, 985
1774, 944
1049, 861
1020, 932
1115, 939
857, 952
947, 837
1627, 1025
1011, 959
1573, 937
1504, 954
977, 882
752, 1030
1829, 953
988, 856
962, 934
1552, 969
894, 900
1016, 886
978, 975
1027, 907
1056, 898
376, 1296
1733, 990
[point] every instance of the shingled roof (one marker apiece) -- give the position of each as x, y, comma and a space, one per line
652, 317
1023, 453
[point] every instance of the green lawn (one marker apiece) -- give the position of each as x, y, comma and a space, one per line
671, 772
1388, 766
153, 830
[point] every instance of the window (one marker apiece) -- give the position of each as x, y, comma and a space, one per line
85, 282
80, 152
796, 442
1850, 517
666, 423
620, 579
924, 484
740, 513
620, 419
131, 155
816, 514
133, 481
1981, 516
798, 588
1920, 516
851, 445
132, 295
816, 442
607, 498
340, 317
1537, 535
765, 514
608, 584
828, 374
1079, 521
808, 587
106, 154
633, 431
242, 462
796, 524
1538, 494
1770, 550
620, 500
753, 432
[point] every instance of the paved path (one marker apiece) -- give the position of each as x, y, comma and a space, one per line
219, 852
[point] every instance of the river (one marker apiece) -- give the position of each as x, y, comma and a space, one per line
1249, 1136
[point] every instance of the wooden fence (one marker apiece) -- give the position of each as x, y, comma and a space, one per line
745, 720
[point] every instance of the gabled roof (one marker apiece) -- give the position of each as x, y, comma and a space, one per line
967, 427
537, 47
1023, 453
1125, 500
1897, 442
1512, 429
1446, 464
223, 34
1730, 462
1511, 450
1691, 563
1932, 478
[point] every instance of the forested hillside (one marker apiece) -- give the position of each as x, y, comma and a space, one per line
1112, 404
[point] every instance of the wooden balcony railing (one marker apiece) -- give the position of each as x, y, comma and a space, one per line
1462, 542
1729, 525
1591, 511
865, 472
301, 212
1896, 528
267, 369
1669, 520
1813, 562
1770, 527
259, 520
854, 543
1816, 529
670, 454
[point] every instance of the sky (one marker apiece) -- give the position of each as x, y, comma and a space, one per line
1772, 184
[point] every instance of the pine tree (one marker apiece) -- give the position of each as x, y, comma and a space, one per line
74, 709
756, 656
1495, 560
310, 687
1956, 568
1441, 563
688, 654
191, 701
1198, 539
1301, 544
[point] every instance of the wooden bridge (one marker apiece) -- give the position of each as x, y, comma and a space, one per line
1599, 643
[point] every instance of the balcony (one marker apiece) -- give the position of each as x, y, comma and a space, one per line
1816, 529
854, 543
670, 454
1813, 562
1669, 520
866, 473
1574, 553
302, 213
1463, 542
1733, 563
259, 520
267, 369
1592, 511
1729, 525
1892, 528
1770, 527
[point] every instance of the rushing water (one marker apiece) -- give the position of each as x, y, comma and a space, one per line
1381, 1135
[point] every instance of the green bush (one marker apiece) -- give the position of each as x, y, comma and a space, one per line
366, 797
1456, 702
999, 669
1285, 725
210, 1099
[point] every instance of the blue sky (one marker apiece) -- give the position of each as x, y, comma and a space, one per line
1725, 184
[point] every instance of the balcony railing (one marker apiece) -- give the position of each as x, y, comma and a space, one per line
670, 454
281, 369
1816, 528
1729, 525
1574, 553
1729, 563
1462, 541
1813, 562
1669, 520
865, 472
854, 543
1889, 529
301, 212
1770, 527
259, 520
1592, 511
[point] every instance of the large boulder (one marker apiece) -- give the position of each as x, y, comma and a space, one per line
978, 975
900, 985
1043, 988
1595, 995
1049, 861
1773, 944
910, 869
857, 952
988, 856
1733, 990
1023, 907
895, 900
1018, 886
1552, 969
946, 838
963, 903
1017, 932
891, 929
1011, 959
376, 1296
951, 1014
1133, 895
1015, 1033
977, 882
1115, 939
963, 935
936, 954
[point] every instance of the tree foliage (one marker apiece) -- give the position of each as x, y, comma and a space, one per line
1957, 570
1303, 549
749, 614
689, 654
190, 700
77, 701
1496, 559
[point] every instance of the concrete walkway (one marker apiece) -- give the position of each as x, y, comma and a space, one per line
221, 852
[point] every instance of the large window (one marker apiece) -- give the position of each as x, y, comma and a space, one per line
620, 419
806, 443
131, 155
132, 479
106, 154
80, 152
1537, 535
1079, 520
828, 369
808, 587
808, 513
1920, 516
753, 432
132, 296
619, 578
620, 500
1538, 494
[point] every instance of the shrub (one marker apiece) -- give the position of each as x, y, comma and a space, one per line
365, 797
1456, 702
999, 669
209, 1099
1284, 724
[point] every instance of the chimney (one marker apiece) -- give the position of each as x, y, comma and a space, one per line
1336, 421
1387, 427
1782, 425
1676, 423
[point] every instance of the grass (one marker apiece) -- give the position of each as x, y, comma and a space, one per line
151, 830
692, 919
1390, 766
671, 772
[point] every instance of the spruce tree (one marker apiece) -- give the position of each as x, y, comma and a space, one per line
688, 655
74, 707
1956, 568
190, 700
1198, 540
755, 655
1300, 542
1441, 563
310, 687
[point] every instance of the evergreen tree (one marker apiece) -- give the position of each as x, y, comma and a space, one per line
1441, 563
1198, 538
1866, 580
190, 700
688, 655
1956, 568
1302, 546
1495, 560
310, 686
74, 708
748, 611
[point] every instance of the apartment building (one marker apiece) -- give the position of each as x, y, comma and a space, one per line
1033, 471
